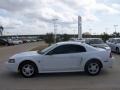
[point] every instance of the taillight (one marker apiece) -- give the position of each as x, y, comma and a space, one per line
110, 55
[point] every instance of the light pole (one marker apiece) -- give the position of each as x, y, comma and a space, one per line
79, 27
74, 33
55, 29
115, 26
106, 30
90, 30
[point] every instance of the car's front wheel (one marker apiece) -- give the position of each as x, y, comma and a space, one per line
93, 68
28, 69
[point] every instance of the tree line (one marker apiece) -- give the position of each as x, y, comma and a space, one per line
49, 37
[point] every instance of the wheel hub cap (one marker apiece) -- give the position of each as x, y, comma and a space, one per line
93, 68
28, 70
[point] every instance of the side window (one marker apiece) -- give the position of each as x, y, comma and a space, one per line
58, 50
79, 48
65, 49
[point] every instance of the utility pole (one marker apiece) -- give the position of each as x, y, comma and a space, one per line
55, 29
106, 30
115, 26
90, 30
79, 27
74, 33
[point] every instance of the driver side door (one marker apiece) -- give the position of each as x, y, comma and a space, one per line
63, 58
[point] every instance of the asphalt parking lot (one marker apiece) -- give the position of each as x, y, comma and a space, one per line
108, 79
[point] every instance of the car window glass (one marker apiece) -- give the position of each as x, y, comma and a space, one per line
65, 49
47, 49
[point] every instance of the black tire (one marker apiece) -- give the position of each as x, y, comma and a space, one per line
117, 50
96, 70
32, 69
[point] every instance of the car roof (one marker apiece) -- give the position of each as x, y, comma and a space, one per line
69, 42
72, 42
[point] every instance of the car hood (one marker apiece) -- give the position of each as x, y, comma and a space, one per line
25, 54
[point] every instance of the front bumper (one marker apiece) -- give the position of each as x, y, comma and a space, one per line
12, 67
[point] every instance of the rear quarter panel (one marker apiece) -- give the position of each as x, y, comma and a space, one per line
95, 54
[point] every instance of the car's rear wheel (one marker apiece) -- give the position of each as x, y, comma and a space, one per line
93, 68
117, 50
28, 69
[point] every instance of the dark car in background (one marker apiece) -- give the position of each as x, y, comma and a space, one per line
4, 42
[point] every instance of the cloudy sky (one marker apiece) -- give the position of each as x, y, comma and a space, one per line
35, 16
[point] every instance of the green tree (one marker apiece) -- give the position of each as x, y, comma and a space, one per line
65, 37
105, 36
49, 38
116, 34
1, 30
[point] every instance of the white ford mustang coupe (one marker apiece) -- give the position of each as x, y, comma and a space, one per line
61, 57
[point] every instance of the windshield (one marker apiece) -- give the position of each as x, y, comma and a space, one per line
47, 49
95, 41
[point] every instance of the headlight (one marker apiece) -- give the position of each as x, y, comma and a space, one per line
11, 61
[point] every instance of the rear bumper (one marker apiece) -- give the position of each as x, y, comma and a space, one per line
108, 64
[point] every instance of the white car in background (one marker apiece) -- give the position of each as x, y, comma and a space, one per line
114, 43
15, 41
61, 57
